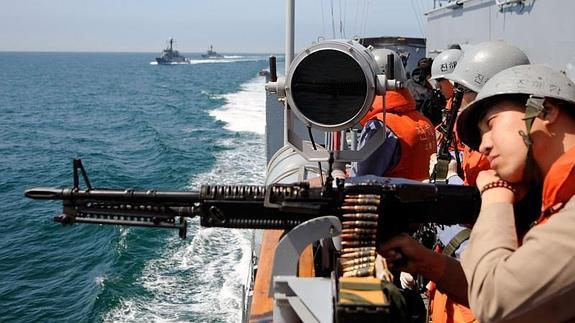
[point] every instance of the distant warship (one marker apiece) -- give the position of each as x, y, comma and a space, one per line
211, 53
171, 56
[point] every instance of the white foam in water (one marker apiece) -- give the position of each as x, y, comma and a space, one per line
225, 59
244, 110
202, 278
196, 281
172, 63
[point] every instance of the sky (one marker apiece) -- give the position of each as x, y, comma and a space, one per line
232, 26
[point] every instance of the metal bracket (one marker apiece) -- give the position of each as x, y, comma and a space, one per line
303, 299
322, 154
295, 241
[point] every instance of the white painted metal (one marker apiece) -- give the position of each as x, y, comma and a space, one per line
542, 29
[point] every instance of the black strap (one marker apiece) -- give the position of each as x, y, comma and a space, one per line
455, 242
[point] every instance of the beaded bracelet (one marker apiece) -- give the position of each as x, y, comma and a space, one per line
499, 183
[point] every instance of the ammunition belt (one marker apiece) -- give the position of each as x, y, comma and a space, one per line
359, 234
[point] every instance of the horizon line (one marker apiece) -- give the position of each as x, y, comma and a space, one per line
127, 52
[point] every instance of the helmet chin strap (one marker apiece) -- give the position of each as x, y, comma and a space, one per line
534, 108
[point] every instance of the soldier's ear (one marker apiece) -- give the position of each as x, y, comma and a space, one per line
551, 112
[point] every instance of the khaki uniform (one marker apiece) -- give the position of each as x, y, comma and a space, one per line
534, 282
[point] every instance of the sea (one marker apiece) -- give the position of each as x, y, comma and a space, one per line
134, 125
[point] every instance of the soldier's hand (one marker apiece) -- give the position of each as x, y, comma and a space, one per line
404, 253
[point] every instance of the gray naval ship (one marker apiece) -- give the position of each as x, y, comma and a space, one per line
211, 53
300, 260
171, 56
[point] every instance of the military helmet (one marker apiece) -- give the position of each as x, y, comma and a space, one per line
445, 63
480, 62
536, 80
380, 56
570, 69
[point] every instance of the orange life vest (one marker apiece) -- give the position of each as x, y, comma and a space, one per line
558, 185
414, 131
444, 310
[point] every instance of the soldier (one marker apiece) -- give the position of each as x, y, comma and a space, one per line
523, 120
410, 137
442, 65
477, 65
418, 85
440, 97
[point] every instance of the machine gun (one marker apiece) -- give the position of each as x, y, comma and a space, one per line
393, 202
440, 170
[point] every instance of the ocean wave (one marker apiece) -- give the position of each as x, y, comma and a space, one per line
228, 59
203, 279
244, 110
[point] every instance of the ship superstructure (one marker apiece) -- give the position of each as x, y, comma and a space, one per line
211, 53
171, 56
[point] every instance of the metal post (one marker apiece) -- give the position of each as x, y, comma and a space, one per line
290, 25
273, 69
390, 68
354, 139
289, 53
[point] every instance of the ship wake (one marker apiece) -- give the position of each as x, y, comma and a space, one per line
203, 278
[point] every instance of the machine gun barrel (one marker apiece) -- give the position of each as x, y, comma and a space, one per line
49, 193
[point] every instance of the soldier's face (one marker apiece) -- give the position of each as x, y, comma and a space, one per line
445, 87
501, 142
